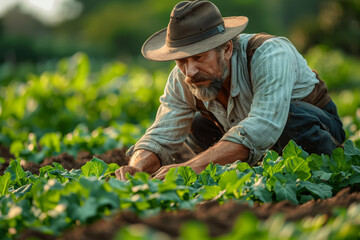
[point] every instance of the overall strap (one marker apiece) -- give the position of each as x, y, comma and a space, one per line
253, 43
208, 115
318, 97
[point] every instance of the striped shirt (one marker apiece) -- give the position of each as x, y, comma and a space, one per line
257, 109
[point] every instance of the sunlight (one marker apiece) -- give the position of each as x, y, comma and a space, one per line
46, 5
50, 12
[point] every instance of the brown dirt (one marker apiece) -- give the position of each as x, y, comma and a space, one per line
219, 219
66, 160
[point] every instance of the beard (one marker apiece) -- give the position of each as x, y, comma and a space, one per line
207, 93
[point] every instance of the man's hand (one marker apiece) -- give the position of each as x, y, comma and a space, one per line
141, 161
161, 173
121, 172
222, 153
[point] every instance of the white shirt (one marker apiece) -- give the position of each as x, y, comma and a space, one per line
257, 111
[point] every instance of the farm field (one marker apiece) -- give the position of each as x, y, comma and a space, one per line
64, 133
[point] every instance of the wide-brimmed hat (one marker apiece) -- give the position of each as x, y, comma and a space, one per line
194, 27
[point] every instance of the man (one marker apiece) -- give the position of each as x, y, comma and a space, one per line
254, 103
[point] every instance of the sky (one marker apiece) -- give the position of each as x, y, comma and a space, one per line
49, 12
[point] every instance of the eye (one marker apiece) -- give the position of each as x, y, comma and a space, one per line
198, 57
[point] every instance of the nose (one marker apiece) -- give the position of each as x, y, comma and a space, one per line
190, 68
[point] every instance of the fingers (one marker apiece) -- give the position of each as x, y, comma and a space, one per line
121, 172
160, 174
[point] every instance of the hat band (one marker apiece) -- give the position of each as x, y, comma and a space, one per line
196, 38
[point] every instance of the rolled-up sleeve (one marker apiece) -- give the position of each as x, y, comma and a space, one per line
273, 72
172, 122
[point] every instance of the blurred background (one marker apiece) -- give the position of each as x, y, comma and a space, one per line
40, 30
69, 65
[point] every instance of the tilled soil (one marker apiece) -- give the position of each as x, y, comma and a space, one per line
66, 160
219, 219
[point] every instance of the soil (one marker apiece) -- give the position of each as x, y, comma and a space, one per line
219, 219
66, 160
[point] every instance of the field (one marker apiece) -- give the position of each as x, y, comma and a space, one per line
65, 131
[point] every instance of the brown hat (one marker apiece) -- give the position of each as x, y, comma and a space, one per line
194, 27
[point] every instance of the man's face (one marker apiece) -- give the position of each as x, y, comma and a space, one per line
205, 73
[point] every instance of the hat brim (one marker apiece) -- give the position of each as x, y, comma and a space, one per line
155, 47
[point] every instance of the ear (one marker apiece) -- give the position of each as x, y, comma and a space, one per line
228, 50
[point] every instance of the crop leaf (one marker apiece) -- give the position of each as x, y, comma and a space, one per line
305, 198
52, 141
16, 147
171, 175
228, 178
207, 176
315, 162
282, 178
260, 191
242, 166
16, 171
339, 162
286, 191
188, 175
321, 190
271, 167
21, 191
112, 167
209, 192
350, 149
324, 176
87, 210
5, 183
354, 178
292, 149
271, 155
94, 167
298, 166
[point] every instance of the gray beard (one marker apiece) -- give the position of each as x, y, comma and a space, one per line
212, 91
207, 93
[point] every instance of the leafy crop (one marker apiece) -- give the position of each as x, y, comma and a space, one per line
58, 101
343, 224
57, 198
98, 141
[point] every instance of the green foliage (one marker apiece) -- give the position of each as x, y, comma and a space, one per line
338, 70
53, 104
57, 198
70, 109
342, 224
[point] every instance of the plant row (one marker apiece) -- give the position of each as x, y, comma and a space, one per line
343, 224
57, 199
97, 141
58, 101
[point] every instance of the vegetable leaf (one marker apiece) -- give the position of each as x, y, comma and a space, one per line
298, 166
5, 183
292, 149
286, 191
94, 167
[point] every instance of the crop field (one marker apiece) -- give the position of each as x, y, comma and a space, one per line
64, 132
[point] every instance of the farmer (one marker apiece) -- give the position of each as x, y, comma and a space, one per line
250, 101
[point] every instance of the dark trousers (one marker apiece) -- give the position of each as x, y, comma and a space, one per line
315, 130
